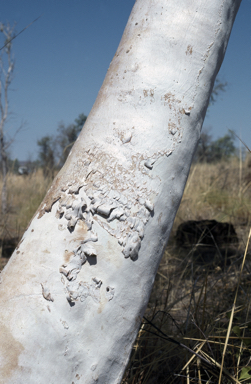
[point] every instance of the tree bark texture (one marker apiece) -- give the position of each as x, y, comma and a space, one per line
75, 289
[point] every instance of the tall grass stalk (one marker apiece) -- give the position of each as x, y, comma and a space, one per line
233, 308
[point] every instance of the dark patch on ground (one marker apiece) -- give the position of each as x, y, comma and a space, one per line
7, 247
205, 233
206, 243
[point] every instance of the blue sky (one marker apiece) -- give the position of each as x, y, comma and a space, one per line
61, 61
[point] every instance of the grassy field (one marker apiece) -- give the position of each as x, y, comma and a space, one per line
197, 327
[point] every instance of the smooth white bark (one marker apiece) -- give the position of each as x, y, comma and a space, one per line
74, 291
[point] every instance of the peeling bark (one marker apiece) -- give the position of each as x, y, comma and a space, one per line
73, 294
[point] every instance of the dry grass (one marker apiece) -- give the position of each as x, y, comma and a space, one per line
197, 327
218, 191
25, 193
190, 311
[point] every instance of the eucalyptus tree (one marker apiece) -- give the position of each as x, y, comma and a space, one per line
67, 135
76, 288
46, 155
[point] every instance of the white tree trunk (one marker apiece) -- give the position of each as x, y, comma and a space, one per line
75, 290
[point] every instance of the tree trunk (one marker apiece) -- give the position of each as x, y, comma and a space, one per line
75, 290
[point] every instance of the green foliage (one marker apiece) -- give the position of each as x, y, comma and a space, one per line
222, 148
217, 89
79, 122
67, 137
236, 330
210, 151
47, 155
245, 373
53, 150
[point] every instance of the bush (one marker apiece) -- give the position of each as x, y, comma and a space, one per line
209, 151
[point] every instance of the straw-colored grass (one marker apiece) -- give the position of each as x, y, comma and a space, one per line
216, 191
25, 193
197, 327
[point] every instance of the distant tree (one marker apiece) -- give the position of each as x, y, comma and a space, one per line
222, 148
67, 137
219, 87
209, 151
47, 155
203, 149
79, 122
206, 150
53, 151
6, 76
